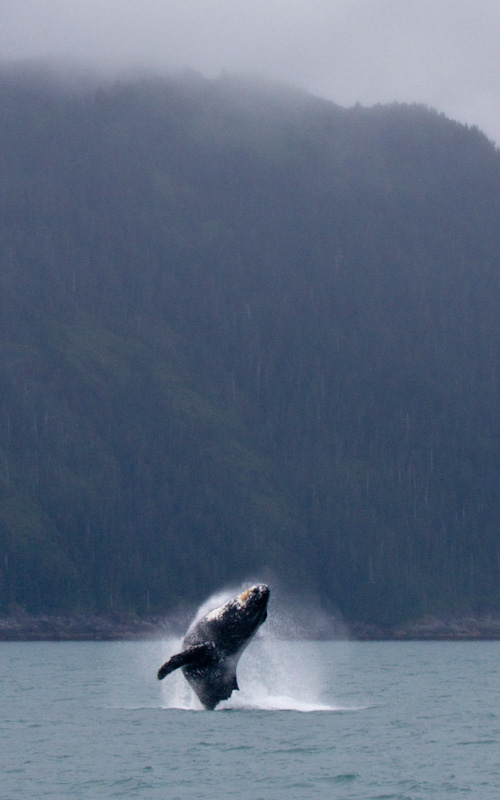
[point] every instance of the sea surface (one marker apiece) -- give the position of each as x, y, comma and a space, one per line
404, 720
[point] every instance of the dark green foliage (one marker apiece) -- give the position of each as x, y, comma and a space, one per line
243, 330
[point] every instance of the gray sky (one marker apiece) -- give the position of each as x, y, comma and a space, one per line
444, 53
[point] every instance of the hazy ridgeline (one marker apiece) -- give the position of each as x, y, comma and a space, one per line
244, 331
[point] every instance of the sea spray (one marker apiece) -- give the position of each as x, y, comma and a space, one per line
274, 673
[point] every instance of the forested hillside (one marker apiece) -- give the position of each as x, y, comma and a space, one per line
245, 332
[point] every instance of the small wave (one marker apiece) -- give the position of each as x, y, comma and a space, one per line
476, 742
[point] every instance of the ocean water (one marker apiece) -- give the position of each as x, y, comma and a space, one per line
347, 720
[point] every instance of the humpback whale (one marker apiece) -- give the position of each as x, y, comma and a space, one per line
213, 645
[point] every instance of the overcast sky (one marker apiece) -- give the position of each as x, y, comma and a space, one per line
445, 53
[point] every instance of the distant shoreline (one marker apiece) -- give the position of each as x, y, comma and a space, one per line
122, 627
112, 627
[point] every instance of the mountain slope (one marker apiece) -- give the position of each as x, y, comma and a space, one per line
244, 330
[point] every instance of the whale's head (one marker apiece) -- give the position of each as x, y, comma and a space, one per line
253, 603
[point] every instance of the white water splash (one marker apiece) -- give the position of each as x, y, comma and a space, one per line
274, 673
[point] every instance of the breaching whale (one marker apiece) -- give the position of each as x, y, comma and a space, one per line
212, 646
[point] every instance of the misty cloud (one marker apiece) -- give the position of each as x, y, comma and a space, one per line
440, 52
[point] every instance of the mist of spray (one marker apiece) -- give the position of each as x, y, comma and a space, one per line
279, 670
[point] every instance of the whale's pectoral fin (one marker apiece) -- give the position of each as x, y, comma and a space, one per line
235, 683
199, 654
